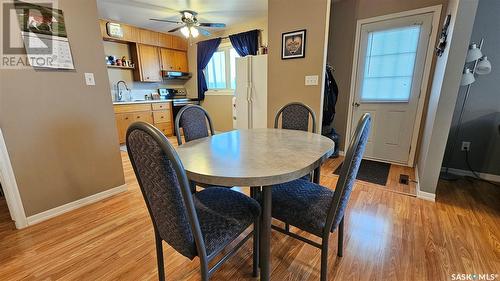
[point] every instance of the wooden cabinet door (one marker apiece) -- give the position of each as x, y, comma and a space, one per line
149, 37
149, 63
167, 59
181, 62
130, 33
123, 120
179, 43
165, 40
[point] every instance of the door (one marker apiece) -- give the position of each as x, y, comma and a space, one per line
241, 93
150, 63
180, 59
388, 84
167, 59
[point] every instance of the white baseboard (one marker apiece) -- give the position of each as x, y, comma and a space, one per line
341, 153
45, 215
484, 176
423, 194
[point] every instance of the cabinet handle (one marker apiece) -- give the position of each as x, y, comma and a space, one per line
161, 117
138, 117
126, 118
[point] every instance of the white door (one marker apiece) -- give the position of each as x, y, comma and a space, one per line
388, 83
241, 93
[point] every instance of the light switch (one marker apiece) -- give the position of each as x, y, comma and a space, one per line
311, 80
89, 79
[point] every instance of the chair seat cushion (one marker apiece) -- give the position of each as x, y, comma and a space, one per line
303, 204
223, 215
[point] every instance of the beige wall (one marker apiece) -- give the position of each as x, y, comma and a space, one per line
344, 16
60, 133
286, 77
219, 105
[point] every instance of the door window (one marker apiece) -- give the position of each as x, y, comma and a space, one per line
390, 64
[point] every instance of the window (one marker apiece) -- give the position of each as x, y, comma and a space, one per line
221, 69
389, 64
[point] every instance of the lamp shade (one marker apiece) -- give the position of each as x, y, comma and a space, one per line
483, 66
194, 31
467, 77
185, 31
474, 53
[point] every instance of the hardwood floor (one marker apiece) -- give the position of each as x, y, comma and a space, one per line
388, 236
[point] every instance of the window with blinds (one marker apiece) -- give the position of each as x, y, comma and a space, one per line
389, 64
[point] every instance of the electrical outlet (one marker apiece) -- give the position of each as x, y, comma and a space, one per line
311, 80
89, 79
466, 146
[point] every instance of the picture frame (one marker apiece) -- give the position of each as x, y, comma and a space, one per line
293, 44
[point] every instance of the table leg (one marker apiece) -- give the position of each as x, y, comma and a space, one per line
317, 175
265, 234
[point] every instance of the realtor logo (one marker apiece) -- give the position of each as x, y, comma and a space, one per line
34, 35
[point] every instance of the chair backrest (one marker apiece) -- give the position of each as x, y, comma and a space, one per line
165, 188
193, 121
348, 173
295, 116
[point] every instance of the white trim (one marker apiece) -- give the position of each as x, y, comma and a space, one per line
75, 205
423, 194
341, 153
436, 10
219, 93
484, 176
10, 188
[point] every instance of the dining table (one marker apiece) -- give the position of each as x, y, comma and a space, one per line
259, 158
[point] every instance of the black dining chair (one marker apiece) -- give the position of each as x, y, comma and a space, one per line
317, 209
200, 224
193, 120
295, 116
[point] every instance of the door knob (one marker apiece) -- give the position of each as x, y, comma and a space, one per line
355, 104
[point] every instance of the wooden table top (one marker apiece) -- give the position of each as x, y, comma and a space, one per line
255, 157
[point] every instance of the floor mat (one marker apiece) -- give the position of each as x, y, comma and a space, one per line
371, 171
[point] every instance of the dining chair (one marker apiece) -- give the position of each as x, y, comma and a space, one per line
200, 224
193, 121
295, 116
319, 210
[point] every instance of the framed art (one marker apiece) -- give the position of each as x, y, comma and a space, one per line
293, 44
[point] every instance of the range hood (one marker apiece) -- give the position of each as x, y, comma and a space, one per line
176, 75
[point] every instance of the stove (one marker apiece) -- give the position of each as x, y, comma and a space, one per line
178, 96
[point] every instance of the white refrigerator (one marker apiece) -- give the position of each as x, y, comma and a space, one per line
250, 96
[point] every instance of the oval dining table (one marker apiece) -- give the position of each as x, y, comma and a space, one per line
256, 158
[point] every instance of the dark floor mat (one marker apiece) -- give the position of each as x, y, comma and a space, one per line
371, 171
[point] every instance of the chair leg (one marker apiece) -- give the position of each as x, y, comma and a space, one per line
159, 258
287, 227
256, 231
324, 260
341, 238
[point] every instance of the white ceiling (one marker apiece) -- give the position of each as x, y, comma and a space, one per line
138, 12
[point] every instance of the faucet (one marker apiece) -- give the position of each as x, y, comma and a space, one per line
119, 95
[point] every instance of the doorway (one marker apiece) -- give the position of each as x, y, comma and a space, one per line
391, 67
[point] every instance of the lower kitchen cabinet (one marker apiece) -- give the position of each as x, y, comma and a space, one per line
158, 114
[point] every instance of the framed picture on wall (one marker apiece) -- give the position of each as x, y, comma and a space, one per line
293, 44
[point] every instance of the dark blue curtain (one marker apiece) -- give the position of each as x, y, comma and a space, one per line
245, 43
206, 50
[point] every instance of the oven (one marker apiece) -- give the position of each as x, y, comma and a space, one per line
179, 98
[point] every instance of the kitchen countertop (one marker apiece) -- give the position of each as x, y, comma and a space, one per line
139, 101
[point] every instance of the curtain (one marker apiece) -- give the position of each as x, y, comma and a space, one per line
206, 50
245, 43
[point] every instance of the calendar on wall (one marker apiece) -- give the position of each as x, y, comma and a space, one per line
44, 36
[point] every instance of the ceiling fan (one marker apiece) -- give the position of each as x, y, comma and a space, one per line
191, 25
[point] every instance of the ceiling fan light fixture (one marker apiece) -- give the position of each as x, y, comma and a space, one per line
194, 32
185, 31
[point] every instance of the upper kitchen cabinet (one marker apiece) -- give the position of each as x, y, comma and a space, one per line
165, 40
149, 37
148, 66
130, 33
179, 43
173, 60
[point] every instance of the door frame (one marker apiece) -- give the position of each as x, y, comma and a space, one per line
9, 186
436, 16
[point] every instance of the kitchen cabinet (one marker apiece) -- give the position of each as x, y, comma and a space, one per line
179, 43
157, 113
173, 60
149, 37
165, 40
148, 63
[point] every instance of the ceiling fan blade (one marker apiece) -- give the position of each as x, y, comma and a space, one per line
216, 25
170, 21
204, 32
175, 29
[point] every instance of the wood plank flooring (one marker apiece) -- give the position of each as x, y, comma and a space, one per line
388, 236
